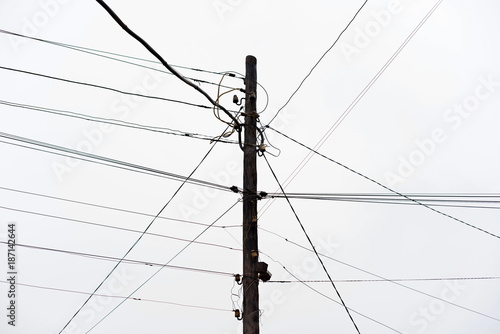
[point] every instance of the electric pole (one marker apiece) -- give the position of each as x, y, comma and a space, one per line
251, 312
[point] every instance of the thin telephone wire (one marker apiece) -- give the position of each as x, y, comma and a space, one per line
317, 63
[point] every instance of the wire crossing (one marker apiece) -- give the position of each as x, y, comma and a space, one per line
140, 238
385, 187
312, 245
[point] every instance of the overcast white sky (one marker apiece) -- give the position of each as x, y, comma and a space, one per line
428, 124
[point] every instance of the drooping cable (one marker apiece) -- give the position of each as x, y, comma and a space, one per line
117, 19
312, 245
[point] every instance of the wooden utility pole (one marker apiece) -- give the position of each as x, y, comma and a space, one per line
251, 313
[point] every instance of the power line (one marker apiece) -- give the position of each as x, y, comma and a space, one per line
392, 280
378, 276
387, 188
104, 54
395, 199
330, 298
80, 221
104, 87
317, 63
118, 297
117, 259
115, 209
358, 98
142, 234
111, 162
116, 122
312, 245
168, 262
117, 19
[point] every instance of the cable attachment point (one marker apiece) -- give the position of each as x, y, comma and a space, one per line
237, 278
262, 148
237, 314
234, 189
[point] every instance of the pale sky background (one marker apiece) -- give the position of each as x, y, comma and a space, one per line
427, 125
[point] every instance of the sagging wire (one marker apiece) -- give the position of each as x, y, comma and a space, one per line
236, 297
216, 110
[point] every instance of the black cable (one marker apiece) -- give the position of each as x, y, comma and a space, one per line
103, 87
119, 297
387, 188
86, 222
164, 63
112, 162
115, 209
317, 63
168, 262
381, 277
312, 245
116, 122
